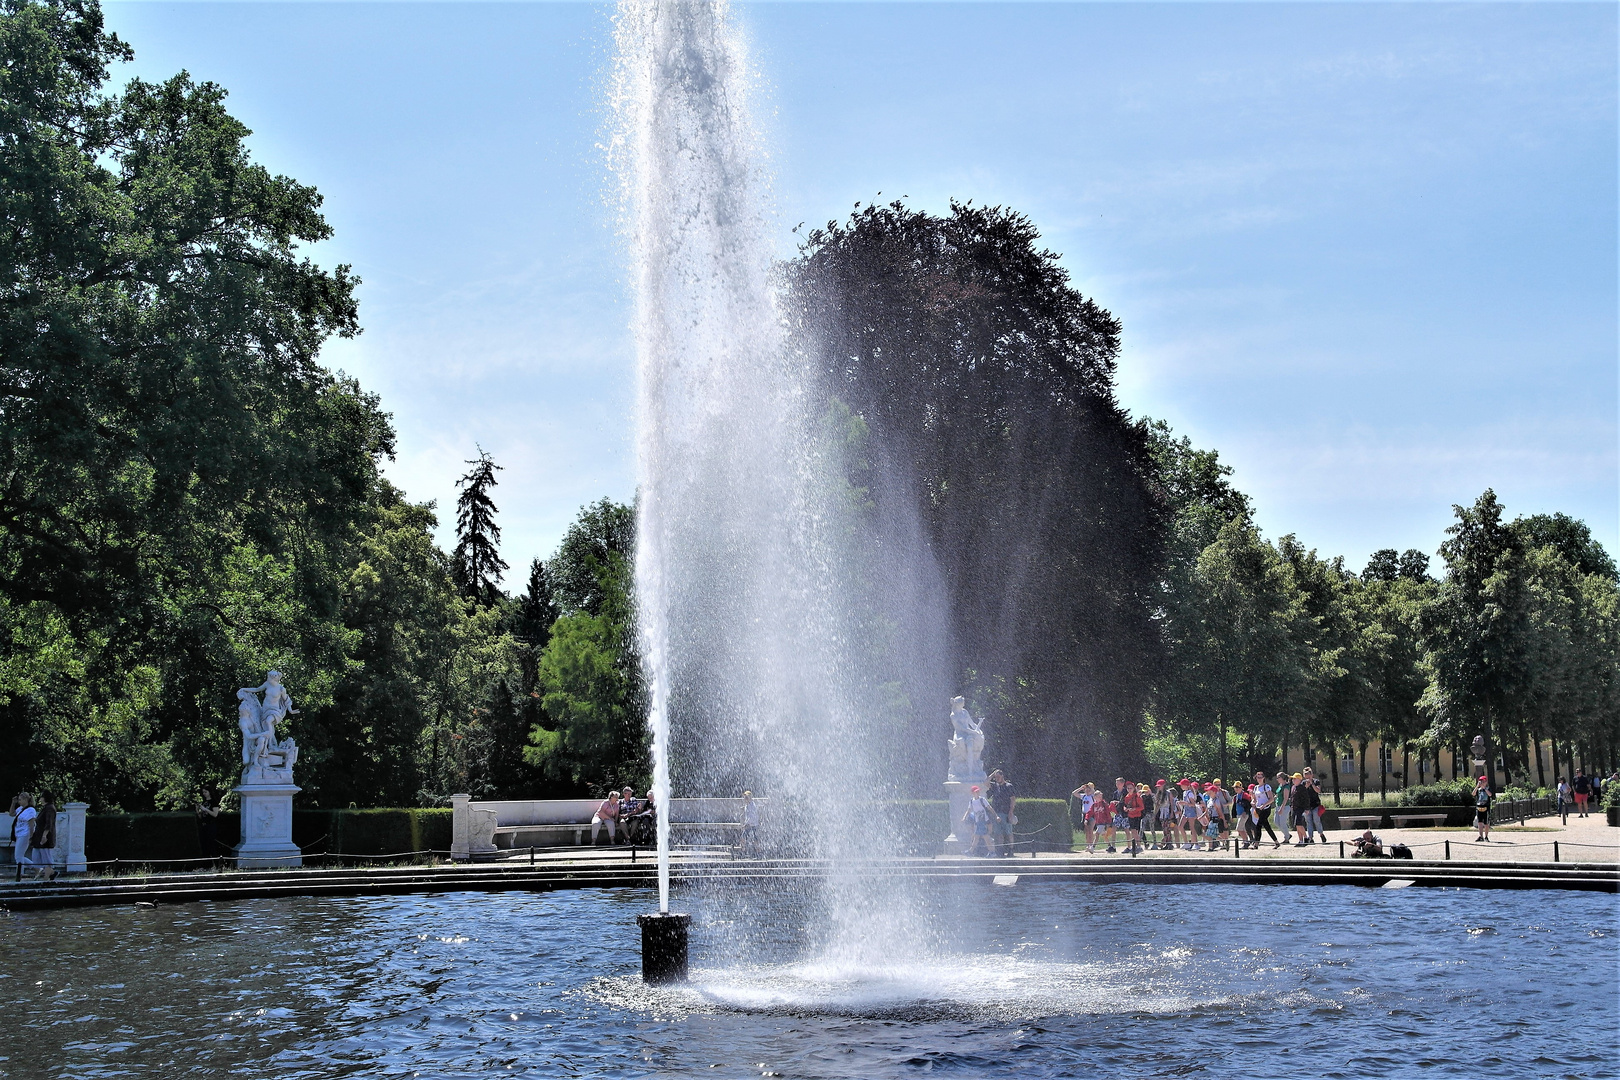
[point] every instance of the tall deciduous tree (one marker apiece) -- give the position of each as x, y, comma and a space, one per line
984, 380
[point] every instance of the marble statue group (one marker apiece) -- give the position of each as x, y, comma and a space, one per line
264, 757
966, 746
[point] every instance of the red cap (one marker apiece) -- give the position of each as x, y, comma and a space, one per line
975, 787
1159, 784
1484, 779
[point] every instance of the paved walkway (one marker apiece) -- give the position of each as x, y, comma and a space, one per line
1589, 839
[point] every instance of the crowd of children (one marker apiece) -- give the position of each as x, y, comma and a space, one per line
1192, 815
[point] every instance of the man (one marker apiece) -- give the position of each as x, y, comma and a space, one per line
1150, 818
1482, 809
1582, 788
1304, 807
1314, 823
606, 814
1001, 810
1368, 846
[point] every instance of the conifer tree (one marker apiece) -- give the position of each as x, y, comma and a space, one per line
477, 559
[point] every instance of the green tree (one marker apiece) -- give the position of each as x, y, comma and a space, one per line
593, 733
1474, 631
181, 476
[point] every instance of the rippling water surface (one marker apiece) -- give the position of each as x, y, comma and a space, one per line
1037, 980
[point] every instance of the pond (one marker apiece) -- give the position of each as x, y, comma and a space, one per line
1034, 980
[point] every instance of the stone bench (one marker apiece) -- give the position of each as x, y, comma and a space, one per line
1401, 820
485, 830
1364, 821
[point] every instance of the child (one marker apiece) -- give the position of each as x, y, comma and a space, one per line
978, 815
1191, 813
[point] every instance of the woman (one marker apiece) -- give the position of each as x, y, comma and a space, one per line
1284, 793
1563, 800
1264, 800
22, 827
1482, 810
42, 838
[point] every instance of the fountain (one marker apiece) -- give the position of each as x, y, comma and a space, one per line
746, 560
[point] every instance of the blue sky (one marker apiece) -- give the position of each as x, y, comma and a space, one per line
1367, 252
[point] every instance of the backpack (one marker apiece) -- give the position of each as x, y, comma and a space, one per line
1400, 851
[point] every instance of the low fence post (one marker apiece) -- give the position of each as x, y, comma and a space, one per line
1448, 850
72, 837
1341, 849
1555, 851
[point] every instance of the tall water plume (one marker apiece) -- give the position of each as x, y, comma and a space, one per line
748, 561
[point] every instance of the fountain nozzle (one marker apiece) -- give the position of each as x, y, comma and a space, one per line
663, 947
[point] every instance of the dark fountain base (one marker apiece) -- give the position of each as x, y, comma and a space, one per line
663, 947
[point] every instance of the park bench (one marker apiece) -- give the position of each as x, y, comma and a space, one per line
1364, 821
1402, 820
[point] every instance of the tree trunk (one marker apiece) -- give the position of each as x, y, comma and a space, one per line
1361, 770
1383, 771
1406, 765
1333, 762
1541, 772
1220, 722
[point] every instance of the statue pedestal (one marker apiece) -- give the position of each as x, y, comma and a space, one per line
956, 793
267, 826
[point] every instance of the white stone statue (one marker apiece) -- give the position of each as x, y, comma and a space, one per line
966, 745
265, 759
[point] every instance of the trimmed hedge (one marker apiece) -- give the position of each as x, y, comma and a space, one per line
920, 825
1445, 793
166, 837
1043, 823
154, 837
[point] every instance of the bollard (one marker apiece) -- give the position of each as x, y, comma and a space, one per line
1341, 849
632, 853
1448, 850
531, 854
1235, 848
1555, 851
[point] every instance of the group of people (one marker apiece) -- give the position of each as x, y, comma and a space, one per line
33, 833
1191, 815
638, 817
1581, 793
